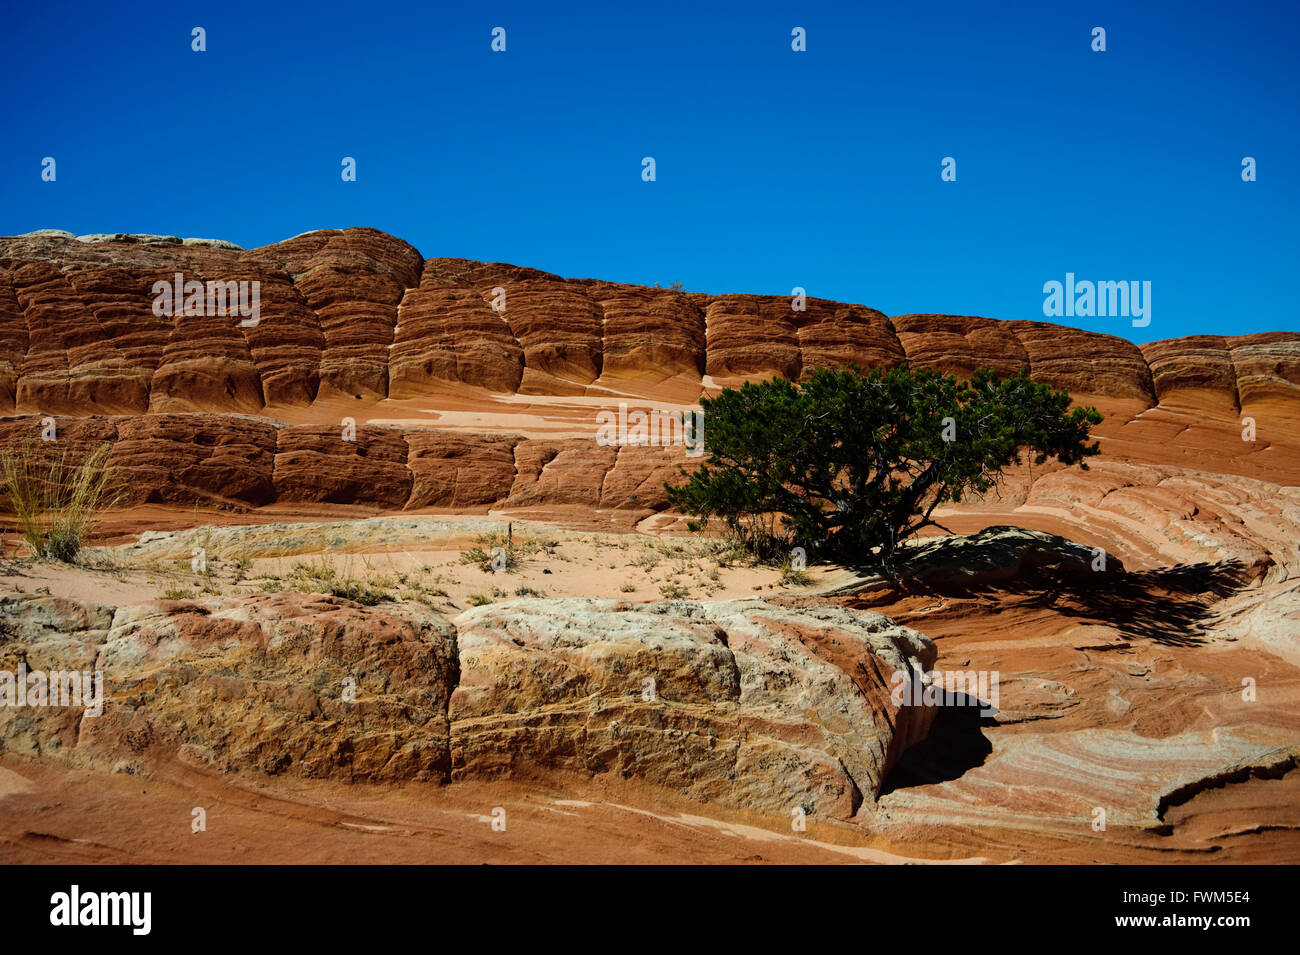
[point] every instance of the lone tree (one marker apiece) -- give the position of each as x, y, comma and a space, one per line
849, 465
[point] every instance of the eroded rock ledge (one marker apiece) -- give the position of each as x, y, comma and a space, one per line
240, 461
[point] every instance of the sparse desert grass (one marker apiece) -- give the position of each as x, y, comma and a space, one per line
728, 552
647, 568
648, 560
177, 593
368, 580
495, 545
241, 565
672, 590
104, 559
792, 576
321, 575
55, 500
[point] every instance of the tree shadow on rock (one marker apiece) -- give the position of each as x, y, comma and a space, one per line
1170, 605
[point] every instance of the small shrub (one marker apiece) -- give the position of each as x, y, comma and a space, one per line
478, 557
791, 577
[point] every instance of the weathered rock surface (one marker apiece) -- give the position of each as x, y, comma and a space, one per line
453, 469
752, 335
241, 461
649, 333
178, 459
560, 472
449, 332
738, 702
1083, 363
251, 683
321, 465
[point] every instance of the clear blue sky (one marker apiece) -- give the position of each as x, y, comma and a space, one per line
775, 169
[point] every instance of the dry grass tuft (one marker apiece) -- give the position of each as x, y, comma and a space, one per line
56, 500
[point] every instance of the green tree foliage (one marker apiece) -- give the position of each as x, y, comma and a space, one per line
849, 465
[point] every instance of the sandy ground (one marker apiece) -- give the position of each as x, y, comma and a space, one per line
52, 814
421, 557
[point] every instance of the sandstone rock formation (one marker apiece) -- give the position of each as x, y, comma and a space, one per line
355, 320
993, 557
740, 702
357, 313
1236, 372
238, 461
251, 683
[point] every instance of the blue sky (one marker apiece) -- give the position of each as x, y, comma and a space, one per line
818, 169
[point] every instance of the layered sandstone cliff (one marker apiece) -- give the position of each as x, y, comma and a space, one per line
361, 314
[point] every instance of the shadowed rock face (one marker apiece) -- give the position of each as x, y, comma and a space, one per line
314, 464
739, 702
358, 313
